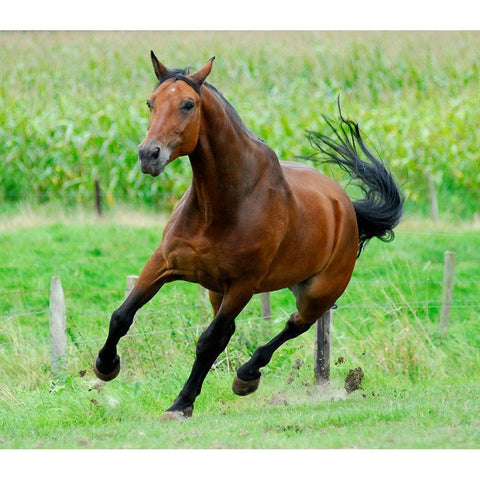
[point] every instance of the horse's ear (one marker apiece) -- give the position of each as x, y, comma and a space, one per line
160, 70
203, 73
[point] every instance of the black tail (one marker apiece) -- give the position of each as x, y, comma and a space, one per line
381, 209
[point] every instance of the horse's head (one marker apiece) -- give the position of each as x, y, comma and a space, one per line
174, 125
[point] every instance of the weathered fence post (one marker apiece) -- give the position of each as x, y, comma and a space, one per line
203, 303
202, 296
203, 307
131, 281
58, 326
98, 198
322, 348
265, 305
447, 295
433, 198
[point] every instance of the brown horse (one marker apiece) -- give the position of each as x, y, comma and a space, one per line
249, 223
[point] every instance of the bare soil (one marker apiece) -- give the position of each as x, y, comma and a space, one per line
354, 380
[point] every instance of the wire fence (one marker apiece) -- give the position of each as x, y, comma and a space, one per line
174, 303
35, 344
44, 344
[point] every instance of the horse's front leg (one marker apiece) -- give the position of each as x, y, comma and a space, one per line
154, 275
211, 343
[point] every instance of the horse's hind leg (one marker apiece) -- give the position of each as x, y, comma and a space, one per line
310, 308
248, 375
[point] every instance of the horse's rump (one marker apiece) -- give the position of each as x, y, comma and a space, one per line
322, 222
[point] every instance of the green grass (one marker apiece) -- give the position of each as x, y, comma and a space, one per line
73, 110
73, 106
419, 390
126, 415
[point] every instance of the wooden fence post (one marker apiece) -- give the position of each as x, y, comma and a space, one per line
202, 296
131, 281
98, 198
203, 307
433, 198
447, 295
58, 326
265, 305
322, 348
203, 304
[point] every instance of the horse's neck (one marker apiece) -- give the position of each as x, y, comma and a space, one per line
228, 164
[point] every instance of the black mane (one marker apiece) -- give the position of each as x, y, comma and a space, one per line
180, 74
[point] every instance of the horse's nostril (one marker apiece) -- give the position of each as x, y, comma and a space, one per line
155, 153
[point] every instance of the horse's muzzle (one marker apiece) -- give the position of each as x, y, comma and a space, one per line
152, 159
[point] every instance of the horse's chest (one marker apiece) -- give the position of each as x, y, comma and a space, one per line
201, 258
189, 254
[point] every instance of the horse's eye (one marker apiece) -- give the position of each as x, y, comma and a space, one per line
149, 105
187, 106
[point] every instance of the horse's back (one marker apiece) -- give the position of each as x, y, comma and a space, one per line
306, 181
320, 201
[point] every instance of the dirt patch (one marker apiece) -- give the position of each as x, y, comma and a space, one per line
354, 380
280, 399
295, 369
311, 395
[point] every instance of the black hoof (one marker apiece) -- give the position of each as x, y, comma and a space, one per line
113, 370
245, 387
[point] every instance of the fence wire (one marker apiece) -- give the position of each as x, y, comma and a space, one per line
44, 344
174, 302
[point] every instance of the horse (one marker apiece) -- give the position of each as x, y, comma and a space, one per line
249, 223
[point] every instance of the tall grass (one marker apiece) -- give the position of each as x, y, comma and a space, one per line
73, 106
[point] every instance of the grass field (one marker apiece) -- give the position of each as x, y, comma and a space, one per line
420, 390
73, 110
